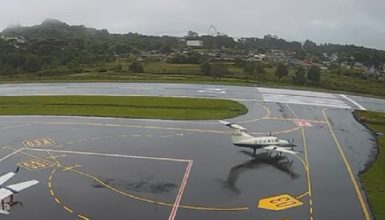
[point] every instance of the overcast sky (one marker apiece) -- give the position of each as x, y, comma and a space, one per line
360, 22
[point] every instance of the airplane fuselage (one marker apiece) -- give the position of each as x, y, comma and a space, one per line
259, 142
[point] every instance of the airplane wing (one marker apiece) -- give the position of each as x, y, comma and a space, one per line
15, 188
4, 178
280, 149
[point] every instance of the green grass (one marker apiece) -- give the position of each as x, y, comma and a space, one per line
159, 71
120, 106
373, 179
170, 68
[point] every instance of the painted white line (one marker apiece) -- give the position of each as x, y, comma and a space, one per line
15, 126
181, 190
295, 92
11, 154
109, 155
307, 103
354, 102
124, 126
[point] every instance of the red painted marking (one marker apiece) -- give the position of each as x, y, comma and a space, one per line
303, 123
181, 190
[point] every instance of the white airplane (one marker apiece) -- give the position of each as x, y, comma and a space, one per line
241, 138
7, 192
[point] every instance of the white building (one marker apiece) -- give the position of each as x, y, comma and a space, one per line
194, 43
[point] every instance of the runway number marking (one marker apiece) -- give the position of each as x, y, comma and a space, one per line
302, 123
39, 142
280, 202
35, 164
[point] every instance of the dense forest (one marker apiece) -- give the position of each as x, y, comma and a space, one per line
54, 44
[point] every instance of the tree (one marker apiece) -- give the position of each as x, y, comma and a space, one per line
253, 69
206, 68
300, 54
299, 77
310, 46
190, 58
314, 74
32, 64
192, 34
118, 67
219, 70
136, 67
261, 51
281, 71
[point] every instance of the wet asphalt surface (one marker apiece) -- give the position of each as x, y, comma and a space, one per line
105, 168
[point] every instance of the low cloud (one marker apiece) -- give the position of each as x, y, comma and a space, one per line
346, 21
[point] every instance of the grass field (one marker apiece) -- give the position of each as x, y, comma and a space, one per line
373, 179
157, 71
120, 106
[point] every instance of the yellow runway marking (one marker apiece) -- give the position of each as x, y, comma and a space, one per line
349, 169
268, 113
307, 173
279, 202
109, 155
58, 164
83, 217
68, 209
203, 208
303, 195
57, 201
294, 119
70, 168
154, 201
173, 159
39, 142
276, 132
302, 161
21, 150
34, 164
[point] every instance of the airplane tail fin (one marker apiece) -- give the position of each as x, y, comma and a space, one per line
238, 136
239, 133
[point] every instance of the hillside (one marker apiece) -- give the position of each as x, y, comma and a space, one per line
56, 49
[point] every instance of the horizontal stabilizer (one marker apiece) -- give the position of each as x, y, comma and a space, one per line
3, 212
232, 125
280, 149
4, 178
15, 188
24, 185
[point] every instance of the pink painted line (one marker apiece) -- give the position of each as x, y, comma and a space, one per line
181, 190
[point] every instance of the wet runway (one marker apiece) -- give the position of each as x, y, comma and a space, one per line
105, 168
